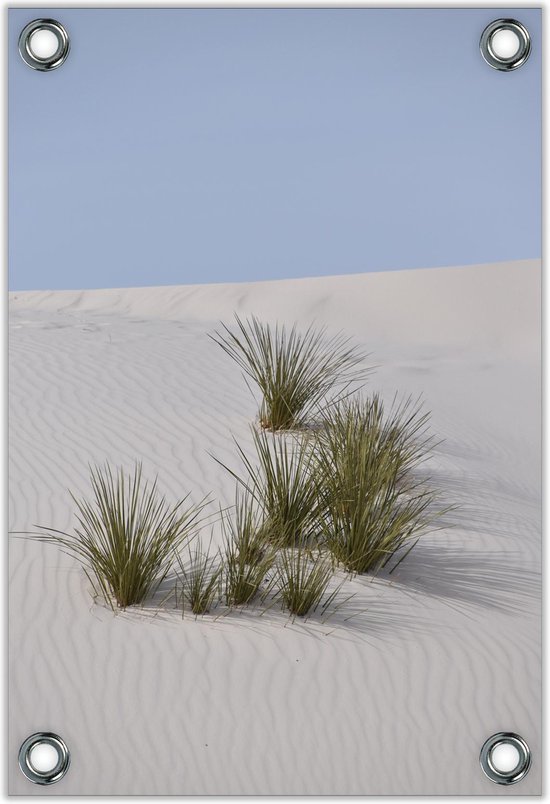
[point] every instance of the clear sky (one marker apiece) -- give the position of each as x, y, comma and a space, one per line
179, 146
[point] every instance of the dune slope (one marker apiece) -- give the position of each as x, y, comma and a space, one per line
396, 691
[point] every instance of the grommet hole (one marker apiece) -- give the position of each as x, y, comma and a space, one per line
505, 757
43, 44
505, 43
43, 758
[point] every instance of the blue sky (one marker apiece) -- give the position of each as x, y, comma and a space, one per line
179, 146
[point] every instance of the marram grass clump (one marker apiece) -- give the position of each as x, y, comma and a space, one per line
302, 579
247, 554
374, 499
282, 479
125, 535
296, 373
198, 583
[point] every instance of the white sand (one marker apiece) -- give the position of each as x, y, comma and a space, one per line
397, 700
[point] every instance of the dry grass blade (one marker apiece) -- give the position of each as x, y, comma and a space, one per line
125, 535
375, 502
294, 372
199, 578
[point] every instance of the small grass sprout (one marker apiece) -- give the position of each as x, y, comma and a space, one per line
295, 372
126, 534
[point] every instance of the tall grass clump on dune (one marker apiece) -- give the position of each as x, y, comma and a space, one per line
294, 372
198, 578
282, 480
126, 535
247, 555
302, 578
375, 501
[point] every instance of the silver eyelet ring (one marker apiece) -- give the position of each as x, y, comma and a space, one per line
54, 774
498, 62
505, 777
53, 61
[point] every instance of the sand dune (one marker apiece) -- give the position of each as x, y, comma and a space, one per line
393, 694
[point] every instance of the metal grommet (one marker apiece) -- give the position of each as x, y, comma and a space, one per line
501, 62
49, 775
490, 766
35, 61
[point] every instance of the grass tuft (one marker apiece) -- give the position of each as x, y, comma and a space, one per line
282, 480
199, 579
366, 460
247, 555
295, 372
303, 578
125, 535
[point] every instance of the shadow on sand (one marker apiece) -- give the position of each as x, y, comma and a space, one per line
456, 567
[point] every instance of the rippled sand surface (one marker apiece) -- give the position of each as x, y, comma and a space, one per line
394, 692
